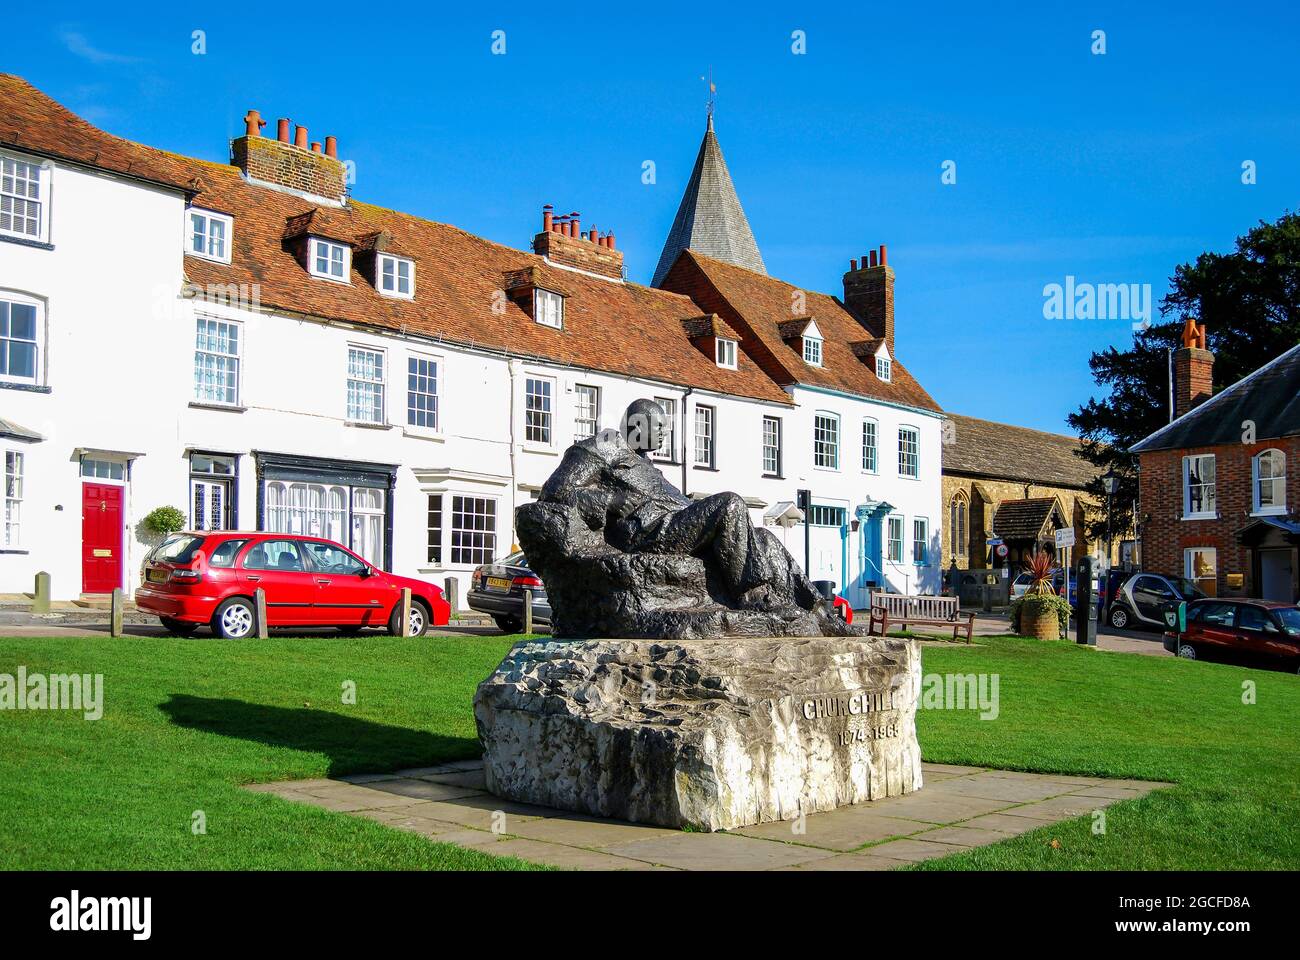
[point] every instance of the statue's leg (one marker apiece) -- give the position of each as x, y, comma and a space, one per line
718, 525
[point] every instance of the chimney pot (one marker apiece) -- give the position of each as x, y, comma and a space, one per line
575, 224
300, 136
593, 236
332, 147
610, 235
253, 124
883, 259
853, 265
547, 217
873, 258
282, 130
315, 146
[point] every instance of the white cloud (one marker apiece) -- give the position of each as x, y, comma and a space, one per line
78, 45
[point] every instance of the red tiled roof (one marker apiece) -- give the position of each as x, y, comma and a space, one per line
759, 307
621, 328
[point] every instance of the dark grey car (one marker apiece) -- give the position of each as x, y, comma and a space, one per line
498, 589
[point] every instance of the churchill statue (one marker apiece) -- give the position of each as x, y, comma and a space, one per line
624, 553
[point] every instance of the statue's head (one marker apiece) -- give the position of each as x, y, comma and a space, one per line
644, 424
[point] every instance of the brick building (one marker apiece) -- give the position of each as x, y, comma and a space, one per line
1216, 501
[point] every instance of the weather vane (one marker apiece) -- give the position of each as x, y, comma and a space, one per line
713, 92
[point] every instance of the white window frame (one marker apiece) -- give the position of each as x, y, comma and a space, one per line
313, 254
706, 430
13, 467
586, 411
892, 556
436, 395
385, 260
484, 551
1209, 490
202, 348
772, 464
356, 375
1278, 483
548, 308
823, 422
870, 429
667, 449
8, 171
921, 541
544, 417
208, 217
915, 452
812, 351
724, 353
12, 297
884, 369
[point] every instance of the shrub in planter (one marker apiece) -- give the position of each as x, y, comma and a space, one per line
1042, 615
164, 520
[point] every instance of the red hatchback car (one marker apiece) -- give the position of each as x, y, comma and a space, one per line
1252, 632
192, 579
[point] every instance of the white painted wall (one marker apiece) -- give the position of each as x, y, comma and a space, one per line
121, 378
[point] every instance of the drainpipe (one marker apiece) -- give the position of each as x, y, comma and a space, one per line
514, 367
685, 470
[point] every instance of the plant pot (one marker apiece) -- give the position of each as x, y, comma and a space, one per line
1040, 623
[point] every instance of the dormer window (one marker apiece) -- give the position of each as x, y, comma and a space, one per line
725, 353
330, 260
396, 276
209, 235
548, 308
812, 351
884, 369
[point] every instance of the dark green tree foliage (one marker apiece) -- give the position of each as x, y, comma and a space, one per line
1249, 302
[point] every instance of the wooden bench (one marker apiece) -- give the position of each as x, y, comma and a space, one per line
898, 609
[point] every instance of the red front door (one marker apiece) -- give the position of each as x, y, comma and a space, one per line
101, 537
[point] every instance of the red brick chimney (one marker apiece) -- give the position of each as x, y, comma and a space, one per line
869, 294
561, 241
295, 166
1193, 369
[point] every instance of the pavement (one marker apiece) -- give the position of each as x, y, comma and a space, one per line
959, 808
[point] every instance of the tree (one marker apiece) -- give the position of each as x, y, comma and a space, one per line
1249, 302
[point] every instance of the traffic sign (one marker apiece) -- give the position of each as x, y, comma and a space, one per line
1065, 537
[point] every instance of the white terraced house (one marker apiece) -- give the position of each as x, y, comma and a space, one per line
250, 343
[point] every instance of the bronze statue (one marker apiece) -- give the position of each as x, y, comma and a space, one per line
624, 553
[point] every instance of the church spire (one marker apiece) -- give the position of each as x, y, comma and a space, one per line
710, 219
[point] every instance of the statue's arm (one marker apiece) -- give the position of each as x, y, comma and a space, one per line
576, 483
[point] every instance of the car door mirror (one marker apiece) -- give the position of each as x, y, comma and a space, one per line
1270, 627
364, 572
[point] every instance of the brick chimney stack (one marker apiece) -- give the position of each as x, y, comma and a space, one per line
869, 294
1193, 369
562, 241
296, 165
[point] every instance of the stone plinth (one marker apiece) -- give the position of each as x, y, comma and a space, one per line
711, 734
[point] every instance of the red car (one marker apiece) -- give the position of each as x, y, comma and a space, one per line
192, 579
1253, 632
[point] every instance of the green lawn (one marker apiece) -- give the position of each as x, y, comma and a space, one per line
1068, 709
186, 721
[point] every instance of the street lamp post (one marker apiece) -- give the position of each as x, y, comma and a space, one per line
1109, 483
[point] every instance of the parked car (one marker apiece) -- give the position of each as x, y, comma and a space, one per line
1143, 598
1108, 588
497, 589
192, 579
1252, 632
1020, 585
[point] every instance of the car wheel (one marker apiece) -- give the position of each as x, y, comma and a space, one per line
178, 627
416, 626
235, 619
1187, 651
508, 624
1119, 617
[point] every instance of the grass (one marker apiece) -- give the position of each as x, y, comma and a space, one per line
1067, 709
185, 722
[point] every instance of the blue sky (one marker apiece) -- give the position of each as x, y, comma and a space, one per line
1111, 168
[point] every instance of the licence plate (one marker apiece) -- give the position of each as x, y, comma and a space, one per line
498, 583
156, 575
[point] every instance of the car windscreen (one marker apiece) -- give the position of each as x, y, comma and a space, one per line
515, 559
1189, 589
179, 549
1290, 618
